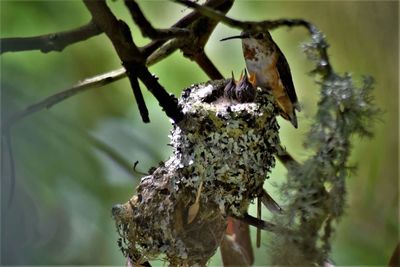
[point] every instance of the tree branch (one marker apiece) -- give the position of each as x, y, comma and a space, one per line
111, 76
193, 46
207, 66
89, 83
261, 224
132, 59
144, 113
248, 25
111, 153
50, 42
216, 15
182, 23
106, 78
147, 29
395, 258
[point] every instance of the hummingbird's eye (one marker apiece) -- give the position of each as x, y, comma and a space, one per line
259, 35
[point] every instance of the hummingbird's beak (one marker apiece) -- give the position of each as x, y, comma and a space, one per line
241, 36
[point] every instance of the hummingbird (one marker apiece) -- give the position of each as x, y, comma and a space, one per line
266, 62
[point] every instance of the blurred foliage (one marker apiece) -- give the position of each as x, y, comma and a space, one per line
65, 186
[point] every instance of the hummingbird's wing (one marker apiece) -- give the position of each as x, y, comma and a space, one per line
286, 78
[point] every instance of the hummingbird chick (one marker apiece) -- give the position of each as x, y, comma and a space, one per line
230, 88
245, 91
268, 64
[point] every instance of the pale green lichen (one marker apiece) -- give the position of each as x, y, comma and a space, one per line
315, 190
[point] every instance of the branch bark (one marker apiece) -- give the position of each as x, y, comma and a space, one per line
89, 83
147, 29
114, 75
49, 42
132, 59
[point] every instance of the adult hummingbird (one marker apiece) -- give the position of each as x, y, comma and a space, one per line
266, 62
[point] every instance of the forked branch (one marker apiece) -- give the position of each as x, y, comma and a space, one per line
49, 42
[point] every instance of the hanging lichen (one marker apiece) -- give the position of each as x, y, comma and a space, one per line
315, 190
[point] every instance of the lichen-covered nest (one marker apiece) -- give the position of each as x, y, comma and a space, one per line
222, 153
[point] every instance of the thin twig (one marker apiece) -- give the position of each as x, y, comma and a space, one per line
132, 59
89, 83
261, 224
218, 16
395, 258
107, 77
144, 113
147, 29
163, 52
110, 152
247, 25
207, 66
259, 26
137, 171
182, 23
116, 30
49, 42
193, 46
283, 155
168, 102
286, 159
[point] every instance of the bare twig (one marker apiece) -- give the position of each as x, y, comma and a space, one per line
108, 77
286, 159
49, 42
147, 29
324, 66
110, 152
182, 23
246, 25
218, 16
119, 34
269, 202
133, 61
89, 83
144, 113
261, 224
137, 171
266, 25
207, 66
164, 51
193, 47
395, 258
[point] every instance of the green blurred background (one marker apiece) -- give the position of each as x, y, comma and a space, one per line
66, 186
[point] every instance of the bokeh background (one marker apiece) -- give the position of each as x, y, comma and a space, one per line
66, 183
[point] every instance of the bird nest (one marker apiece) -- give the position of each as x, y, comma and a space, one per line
222, 153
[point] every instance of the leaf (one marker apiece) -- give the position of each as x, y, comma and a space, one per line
194, 209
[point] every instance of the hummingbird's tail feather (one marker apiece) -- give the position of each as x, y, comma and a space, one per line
292, 118
287, 109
